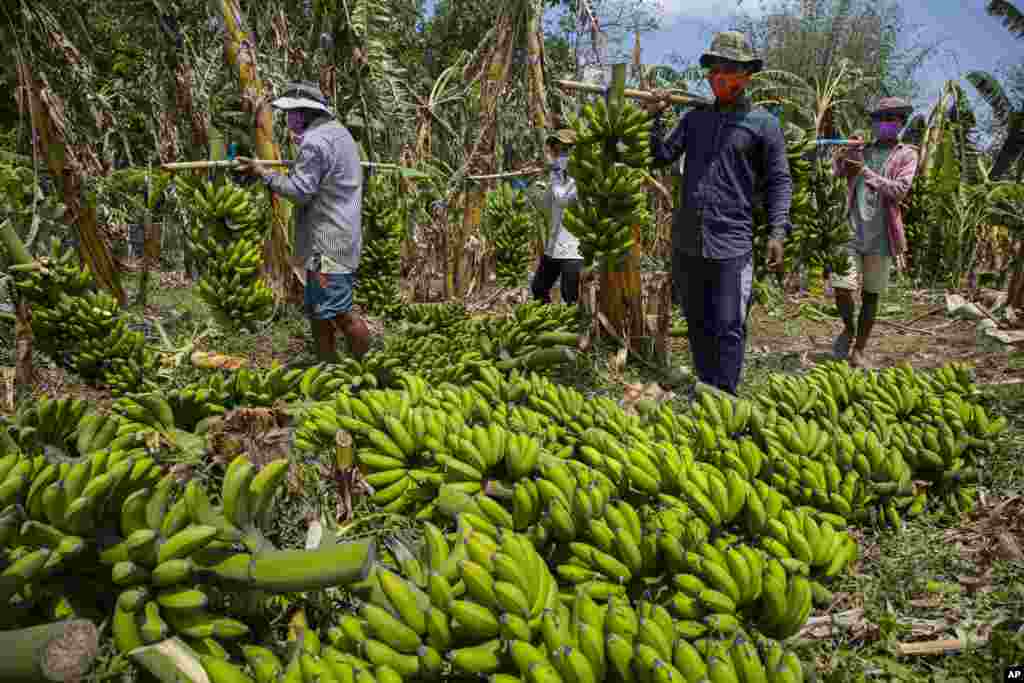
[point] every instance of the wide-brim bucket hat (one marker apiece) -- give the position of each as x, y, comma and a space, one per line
301, 96
892, 105
732, 46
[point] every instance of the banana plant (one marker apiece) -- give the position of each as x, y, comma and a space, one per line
811, 102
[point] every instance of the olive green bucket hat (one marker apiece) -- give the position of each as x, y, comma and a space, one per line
892, 105
565, 136
732, 46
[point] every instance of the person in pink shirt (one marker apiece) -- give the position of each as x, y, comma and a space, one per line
879, 175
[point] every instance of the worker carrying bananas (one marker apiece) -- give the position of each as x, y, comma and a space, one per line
561, 257
878, 175
326, 184
731, 148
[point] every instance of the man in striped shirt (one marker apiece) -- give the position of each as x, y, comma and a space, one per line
326, 184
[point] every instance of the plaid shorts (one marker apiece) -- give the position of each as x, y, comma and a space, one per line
328, 295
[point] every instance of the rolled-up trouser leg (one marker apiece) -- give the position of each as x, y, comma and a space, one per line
544, 279
731, 281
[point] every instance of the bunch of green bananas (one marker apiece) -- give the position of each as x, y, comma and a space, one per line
80, 328
484, 604
379, 267
607, 163
425, 318
817, 212
508, 227
450, 347
116, 511
227, 236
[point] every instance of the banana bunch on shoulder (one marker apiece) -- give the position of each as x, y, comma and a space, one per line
613, 146
228, 238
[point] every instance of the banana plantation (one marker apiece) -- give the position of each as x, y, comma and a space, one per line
500, 488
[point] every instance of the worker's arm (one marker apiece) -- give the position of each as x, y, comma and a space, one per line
897, 187
777, 181
301, 184
667, 151
563, 189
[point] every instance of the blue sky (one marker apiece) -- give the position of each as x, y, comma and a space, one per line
968, 37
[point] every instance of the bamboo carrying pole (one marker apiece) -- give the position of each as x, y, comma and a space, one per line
191, 165
686, 100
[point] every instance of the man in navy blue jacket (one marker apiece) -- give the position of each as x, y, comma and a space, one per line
732, 149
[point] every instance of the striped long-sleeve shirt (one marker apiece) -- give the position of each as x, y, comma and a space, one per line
326, 185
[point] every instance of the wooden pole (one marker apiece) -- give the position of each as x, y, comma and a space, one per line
620, 296
642, 95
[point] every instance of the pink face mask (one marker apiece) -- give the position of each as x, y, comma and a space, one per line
296, 121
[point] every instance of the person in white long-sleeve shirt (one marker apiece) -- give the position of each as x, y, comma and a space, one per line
561, 257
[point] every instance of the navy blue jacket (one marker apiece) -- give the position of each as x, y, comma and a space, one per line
731, 153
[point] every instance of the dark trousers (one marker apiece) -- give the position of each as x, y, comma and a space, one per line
714, 295
550, 269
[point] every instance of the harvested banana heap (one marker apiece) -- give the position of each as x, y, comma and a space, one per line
564, 539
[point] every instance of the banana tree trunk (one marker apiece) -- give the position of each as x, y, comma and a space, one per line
64, 166
240, 51
61, 651
535, 80
1015, 291
535, 70
24, 371
619, 297
482, 158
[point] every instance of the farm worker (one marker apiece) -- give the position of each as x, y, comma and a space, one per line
326, 184
561, 258
879, 176
731, 148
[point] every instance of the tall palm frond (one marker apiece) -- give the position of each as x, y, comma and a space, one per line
1012, 17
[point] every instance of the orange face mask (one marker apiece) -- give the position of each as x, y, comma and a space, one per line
727, 86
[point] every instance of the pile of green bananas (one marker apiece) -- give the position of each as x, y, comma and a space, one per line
380, 264
483, 604
508, 227
113, 518
607, 163
533, 337
420, 318
227, 237
80, 328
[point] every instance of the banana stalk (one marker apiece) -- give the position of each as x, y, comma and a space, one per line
170, 661
60, 651
301, 571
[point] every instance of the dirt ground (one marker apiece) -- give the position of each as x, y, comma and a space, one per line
790, 335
